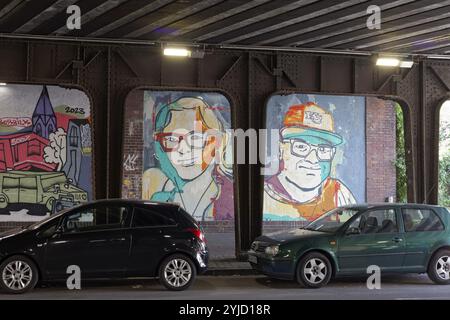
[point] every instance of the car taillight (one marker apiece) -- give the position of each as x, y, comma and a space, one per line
197, 233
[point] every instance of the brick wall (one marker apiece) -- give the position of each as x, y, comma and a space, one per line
133, 146
7, 225
380, 146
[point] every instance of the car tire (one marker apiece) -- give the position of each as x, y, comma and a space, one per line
314, 270
18, 274
439, 267
177, 272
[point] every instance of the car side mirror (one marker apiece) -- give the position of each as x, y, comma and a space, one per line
352, 231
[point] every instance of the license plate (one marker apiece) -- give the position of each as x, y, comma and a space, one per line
253, 259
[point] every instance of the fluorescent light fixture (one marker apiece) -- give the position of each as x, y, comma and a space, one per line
406, 64
177, 52
439, 56
2, 83
388, 62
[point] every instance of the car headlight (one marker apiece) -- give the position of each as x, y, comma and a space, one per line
272, 250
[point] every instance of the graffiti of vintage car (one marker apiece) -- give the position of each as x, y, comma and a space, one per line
52, 189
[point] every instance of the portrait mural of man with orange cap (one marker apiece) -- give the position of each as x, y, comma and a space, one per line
303, 188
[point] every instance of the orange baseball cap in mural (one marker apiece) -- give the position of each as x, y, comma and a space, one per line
310, 122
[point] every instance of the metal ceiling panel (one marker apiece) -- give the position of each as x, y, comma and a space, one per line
173, 17
407, 25
357, 29
203, 18
56, 8
131, 16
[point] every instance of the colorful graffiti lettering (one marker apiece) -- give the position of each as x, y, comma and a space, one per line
22, 122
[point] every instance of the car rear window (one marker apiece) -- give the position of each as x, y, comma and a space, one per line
419, 220
149, 217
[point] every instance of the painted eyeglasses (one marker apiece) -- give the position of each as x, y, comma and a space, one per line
170, 141
301, 148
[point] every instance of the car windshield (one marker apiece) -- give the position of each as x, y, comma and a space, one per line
332, 220
36, 225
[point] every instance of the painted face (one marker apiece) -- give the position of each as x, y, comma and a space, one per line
189, 148
307, 165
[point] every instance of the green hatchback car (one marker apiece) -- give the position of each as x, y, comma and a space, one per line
405, 238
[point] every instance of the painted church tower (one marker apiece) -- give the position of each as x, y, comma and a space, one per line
44, 119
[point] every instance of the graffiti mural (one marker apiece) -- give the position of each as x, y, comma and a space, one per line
320, 156
45, 151
187, 158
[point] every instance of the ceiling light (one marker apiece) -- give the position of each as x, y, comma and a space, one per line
406, 64
388, 62
177, 52
2, 83
437, 56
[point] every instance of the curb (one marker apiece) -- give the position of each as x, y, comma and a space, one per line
230, 272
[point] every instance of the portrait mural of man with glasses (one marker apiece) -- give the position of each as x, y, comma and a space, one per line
186, 160
306, 185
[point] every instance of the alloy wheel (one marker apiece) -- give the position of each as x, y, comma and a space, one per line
17, 275
315, 270
443, 267
177, 272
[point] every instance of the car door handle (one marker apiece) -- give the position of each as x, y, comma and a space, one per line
397, 239
117, 239
97, 241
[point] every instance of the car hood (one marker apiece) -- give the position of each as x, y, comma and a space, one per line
288, 235
12, 232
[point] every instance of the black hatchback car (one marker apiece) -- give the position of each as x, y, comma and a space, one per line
106, 239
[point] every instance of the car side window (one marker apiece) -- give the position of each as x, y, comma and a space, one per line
376, 221
49, 229
150, 218
419, 220
96, 218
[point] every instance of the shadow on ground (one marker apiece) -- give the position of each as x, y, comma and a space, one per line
203, 283
394, 279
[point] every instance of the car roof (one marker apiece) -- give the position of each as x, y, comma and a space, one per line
133, 202
365, 206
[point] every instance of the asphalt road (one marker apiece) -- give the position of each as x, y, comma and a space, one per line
247, 287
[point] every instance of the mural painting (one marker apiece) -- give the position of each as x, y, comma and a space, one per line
320, 156
45, 151
187, 157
